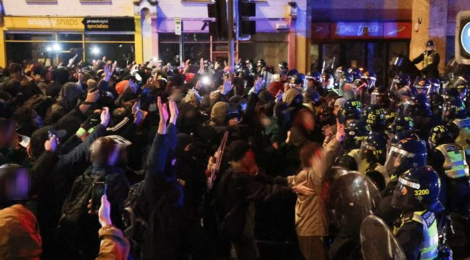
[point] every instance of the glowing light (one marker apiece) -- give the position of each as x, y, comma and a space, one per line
206, 80
56, 47
95, 50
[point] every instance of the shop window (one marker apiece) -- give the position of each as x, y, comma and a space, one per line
355, 56
113, 51
314, 57
188, 37
168, 52
376, 60
109, 37
272, 47
30, 37
330, 52
70, 37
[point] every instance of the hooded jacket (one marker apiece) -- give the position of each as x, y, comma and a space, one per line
310, 211
19, 234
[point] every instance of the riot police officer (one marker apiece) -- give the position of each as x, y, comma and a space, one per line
406, 154
458, 123
283, 67
422, 86
379, 96
448, 159
297, 81
355, 133
402, 123
430, 59
417, 196
370, 78
373, 155
400, 85
375, 118
328, 82
423, 118
351, 110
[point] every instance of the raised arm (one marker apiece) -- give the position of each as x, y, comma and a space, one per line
158, 152
80, 152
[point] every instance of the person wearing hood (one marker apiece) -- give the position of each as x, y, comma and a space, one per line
310, 212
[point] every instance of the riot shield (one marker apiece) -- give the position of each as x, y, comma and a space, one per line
378, 242
353, 197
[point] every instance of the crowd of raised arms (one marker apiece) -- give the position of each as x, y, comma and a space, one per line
203, 161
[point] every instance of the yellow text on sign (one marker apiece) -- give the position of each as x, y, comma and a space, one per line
69, 23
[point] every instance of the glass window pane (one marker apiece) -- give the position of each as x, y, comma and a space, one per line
19, 51
109, 37
30, 36
113, 51
169, 52
375, 60
272, 53
196, 37
355, 56
196, 51
314, 57
168, 37
70, 37
329, 51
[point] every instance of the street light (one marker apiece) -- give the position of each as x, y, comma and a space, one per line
49, 48
95, 50
56, 47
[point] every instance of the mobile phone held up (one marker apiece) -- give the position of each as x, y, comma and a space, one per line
99, 189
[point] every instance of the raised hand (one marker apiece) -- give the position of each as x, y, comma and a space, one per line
104, 213
51, 144
92, 97
339, 131
163, 111
105, 116
174, 112
258, 85
227, 87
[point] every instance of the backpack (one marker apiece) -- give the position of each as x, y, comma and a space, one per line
134, 219
75, 207
152, 230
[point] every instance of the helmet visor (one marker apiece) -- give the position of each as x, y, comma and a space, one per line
395, 158
404, 194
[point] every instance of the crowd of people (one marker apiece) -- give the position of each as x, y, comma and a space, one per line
207, 161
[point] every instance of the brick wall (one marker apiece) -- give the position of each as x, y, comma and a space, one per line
69, 8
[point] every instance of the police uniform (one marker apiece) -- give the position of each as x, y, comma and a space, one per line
456, 182
463, 138
430, 61
417, 234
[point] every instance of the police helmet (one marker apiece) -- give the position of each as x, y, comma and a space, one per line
418, 189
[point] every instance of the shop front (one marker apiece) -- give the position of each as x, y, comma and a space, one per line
367, 45
55, 40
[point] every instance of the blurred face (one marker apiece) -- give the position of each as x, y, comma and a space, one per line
326, 82
430, 48
249, 163
308, 122
7, 136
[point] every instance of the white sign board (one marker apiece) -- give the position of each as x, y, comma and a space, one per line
178, 27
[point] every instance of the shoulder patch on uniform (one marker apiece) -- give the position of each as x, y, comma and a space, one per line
429, 218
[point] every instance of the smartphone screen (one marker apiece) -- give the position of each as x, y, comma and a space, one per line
99, 189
